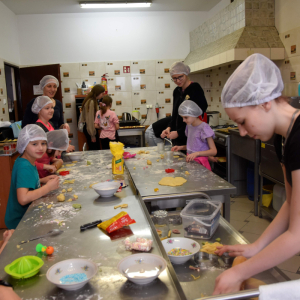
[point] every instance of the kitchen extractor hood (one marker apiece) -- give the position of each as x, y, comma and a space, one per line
239, 30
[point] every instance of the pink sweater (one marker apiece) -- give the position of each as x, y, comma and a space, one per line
44, 160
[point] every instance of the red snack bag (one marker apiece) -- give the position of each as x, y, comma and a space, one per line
121, 222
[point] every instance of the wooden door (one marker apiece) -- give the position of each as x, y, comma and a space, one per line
31, 76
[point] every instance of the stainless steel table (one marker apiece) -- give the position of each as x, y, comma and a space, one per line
146, 177
94, 244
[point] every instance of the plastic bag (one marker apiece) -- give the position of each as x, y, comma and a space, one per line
120, 220
117, 150
80, 123
141, 244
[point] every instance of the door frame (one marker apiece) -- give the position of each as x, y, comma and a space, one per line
18, 89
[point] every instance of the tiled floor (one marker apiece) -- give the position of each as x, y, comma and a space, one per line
251, 227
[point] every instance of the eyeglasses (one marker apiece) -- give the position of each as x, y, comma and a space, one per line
177, 78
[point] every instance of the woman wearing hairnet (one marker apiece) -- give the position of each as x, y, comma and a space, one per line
252, 98
49, 85
185, 90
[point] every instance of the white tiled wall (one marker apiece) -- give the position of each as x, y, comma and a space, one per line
212, 83
147, 80
4, 114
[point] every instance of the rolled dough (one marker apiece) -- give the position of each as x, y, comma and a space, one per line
171, 181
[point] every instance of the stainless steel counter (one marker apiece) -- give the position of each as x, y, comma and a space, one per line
91, 244
146, 178
97, 246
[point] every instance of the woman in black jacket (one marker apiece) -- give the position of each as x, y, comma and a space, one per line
185, 90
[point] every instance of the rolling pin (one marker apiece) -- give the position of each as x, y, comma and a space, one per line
250, 283
57, 164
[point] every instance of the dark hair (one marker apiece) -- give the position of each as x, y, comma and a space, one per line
95, 92
107, 101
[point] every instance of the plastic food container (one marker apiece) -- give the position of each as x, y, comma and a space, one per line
200, 218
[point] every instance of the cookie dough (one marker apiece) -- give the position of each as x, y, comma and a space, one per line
162, 156
133, 168
61, 198
74, 162
70, 165
69, 181
70, 200
121, 205
157, 160
88, 163
141, 152
187, 173
63, 191
171, 181
149, 162
75, 196
210, 248
77, 206
176, 156
69, 189
147, 152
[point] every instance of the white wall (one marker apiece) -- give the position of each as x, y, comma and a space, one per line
63, 38
287, 14
9, 44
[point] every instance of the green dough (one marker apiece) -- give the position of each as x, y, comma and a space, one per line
88, 163
76, 205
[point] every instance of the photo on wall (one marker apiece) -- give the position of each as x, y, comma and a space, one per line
68, 105
91, 73
143, 101
118, 102
117, 72
66, 74
168, 100
67, 90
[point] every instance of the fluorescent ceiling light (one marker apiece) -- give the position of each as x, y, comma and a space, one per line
114, 4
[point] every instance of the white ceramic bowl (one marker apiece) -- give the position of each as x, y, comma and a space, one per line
68, 267
107, 188
74, 156
183, 243
142, 268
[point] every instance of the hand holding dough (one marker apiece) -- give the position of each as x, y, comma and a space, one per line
61, 198
171, 181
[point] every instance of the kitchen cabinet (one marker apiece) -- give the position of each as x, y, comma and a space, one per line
244, 149
6, 163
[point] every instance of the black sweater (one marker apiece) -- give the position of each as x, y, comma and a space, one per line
193, 92
57, 119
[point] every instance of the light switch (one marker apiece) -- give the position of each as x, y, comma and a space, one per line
4, 101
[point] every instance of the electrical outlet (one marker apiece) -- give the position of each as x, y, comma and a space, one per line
150, 106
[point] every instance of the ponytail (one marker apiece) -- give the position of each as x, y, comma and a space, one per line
106, 101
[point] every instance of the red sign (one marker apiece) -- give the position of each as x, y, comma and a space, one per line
126, 69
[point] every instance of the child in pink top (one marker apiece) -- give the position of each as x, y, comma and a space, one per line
107, 121
57, 141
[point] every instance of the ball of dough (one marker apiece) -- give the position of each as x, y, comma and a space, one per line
61, 198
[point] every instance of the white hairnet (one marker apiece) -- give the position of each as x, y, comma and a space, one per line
48, 79
189, 108
179, 68
39, 103
30, 133
58, 139
257, 80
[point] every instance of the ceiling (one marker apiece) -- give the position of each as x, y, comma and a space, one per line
21, 7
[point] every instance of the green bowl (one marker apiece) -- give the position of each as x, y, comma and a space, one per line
24, 267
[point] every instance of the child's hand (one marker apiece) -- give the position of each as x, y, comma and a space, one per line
53, 184
47, 178
50, 168
173, 135
7, 235
66, 126
176, 148
93, 140
191, 156
71, 148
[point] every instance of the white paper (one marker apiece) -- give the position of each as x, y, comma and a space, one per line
37, 90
